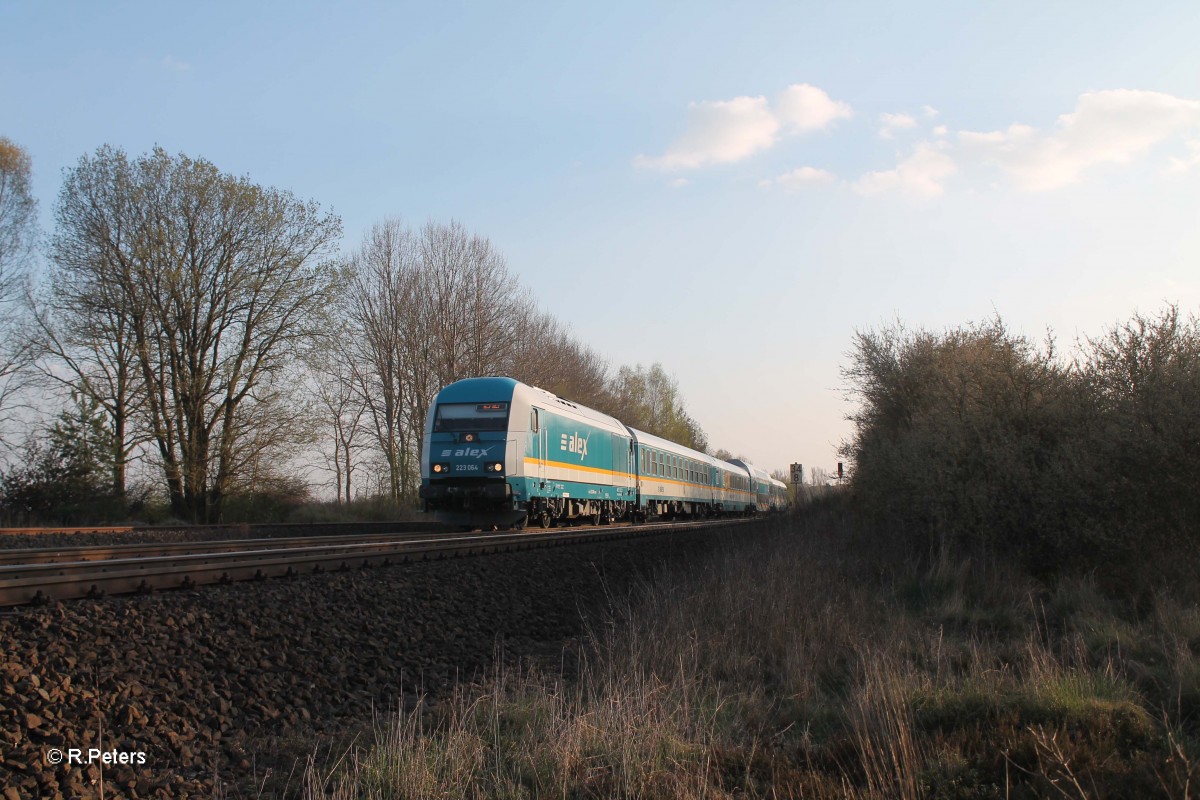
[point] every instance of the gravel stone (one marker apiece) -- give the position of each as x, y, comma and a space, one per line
214, 684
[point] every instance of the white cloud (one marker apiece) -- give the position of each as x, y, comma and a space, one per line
174, 64
800, 178
894, 122
920, 174
719, 132
679, 183
1107, 127
725, 131
929, 112
1182, 165
802, 108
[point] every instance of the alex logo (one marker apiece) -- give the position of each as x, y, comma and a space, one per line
575, 444
468, 452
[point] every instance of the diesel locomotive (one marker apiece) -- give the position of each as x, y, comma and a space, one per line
501, 453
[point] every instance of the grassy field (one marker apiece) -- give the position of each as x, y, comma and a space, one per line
800, 665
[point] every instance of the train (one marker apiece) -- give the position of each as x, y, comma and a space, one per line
499, 453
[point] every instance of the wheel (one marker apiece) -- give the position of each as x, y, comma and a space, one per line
544, 520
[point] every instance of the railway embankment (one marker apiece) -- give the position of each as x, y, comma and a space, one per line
208, 691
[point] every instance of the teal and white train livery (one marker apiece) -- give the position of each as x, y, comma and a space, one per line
498, 452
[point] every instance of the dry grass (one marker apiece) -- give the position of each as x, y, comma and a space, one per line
795, 667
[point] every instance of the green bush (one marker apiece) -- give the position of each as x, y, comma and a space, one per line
981, 441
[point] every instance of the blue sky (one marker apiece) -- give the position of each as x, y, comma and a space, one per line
769, 177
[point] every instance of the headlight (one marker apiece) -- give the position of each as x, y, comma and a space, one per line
439, 469
497, 467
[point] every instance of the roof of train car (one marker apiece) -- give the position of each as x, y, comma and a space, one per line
760, 474
498, 388
557, 403
651, 440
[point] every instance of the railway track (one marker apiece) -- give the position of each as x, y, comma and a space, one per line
39, 575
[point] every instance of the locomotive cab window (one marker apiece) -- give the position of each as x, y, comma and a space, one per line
453, 417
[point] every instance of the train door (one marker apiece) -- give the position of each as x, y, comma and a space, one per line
538, 422
623, 454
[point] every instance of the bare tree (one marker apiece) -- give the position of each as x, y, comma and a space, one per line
90, 351
432, 307
427, 309
382, 345
17, 210
341, 409
222, 281
17, 233
546, 355
649, 399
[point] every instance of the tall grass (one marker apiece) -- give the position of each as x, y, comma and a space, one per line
796, 666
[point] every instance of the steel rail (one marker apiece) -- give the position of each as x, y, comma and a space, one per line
74, 529
52, 555
260, 528
34, 583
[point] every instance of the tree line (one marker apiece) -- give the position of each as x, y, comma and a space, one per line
207, 330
